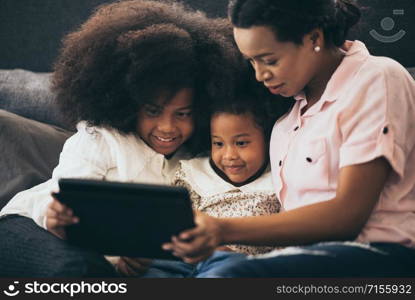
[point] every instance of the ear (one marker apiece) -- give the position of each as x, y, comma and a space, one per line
314, 38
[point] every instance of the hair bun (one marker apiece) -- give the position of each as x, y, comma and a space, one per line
347, 15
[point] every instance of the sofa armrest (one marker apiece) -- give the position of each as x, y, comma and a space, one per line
28, 94
29, 151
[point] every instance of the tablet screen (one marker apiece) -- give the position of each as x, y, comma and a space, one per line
125, 219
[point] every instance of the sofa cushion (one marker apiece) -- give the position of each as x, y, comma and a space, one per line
28, 94
29, 150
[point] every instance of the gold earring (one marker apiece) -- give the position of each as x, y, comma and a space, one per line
317, 48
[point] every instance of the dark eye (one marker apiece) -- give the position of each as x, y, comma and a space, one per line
152, 111
271, 62
184, 114
217, 144
242, 143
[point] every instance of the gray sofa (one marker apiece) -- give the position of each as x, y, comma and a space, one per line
32, 130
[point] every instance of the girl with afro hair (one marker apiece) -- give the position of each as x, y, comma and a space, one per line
136, 79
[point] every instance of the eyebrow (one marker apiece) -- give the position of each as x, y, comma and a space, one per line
161, 106
241, 135
236, 136
152, 105
259, 55
185, 107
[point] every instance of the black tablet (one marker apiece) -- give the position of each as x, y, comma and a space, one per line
125, 219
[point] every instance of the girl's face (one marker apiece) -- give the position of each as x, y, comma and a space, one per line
166, 126
238, 145
284, 67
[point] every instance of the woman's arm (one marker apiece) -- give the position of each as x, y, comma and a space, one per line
341, 218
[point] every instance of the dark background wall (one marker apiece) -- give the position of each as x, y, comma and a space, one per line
31, 30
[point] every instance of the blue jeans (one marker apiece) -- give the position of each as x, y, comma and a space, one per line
27, 250
161, 268
330, 259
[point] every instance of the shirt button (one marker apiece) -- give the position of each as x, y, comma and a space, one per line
296, 128
280, 163
309, 159
385, 130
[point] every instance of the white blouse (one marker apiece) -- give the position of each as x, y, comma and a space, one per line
96, 153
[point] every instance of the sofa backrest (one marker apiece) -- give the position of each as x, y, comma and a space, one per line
31, 30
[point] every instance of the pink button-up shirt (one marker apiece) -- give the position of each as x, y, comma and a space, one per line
367, 111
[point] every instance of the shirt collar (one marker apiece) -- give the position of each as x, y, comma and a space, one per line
355, 54
206, 182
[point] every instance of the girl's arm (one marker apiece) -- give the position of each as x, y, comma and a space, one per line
341, 218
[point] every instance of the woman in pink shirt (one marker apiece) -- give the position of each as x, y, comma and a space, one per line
342, 159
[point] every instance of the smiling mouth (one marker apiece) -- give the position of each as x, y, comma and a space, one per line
233, 169
276, 89
164, 140
275, 86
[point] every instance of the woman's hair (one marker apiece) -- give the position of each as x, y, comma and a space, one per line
292, 19
133, 52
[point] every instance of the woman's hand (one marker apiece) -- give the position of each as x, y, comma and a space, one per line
58, 216
199, 243
132, 267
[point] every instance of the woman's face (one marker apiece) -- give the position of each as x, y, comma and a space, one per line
165, 126
238, 145
284, 67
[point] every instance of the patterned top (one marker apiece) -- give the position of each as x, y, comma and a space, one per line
216, 197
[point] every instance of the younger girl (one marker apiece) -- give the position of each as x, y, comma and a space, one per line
135, 77
236, 180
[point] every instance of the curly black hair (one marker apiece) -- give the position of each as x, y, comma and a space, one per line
252, 97
292, 19
129, 53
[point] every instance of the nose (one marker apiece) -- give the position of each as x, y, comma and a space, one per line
230, 153
166, 124
262, 74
